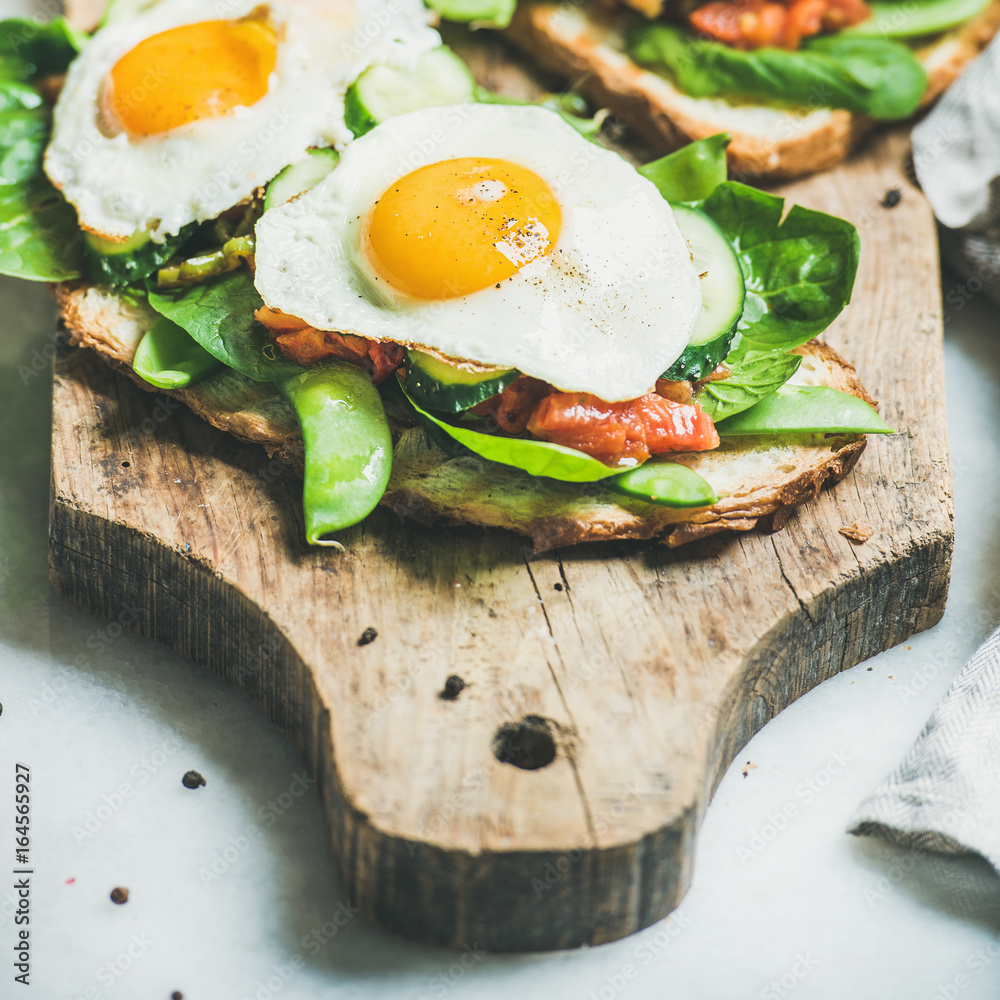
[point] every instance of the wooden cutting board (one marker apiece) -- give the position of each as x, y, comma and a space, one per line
554, 799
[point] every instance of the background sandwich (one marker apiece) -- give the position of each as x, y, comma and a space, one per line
285, 320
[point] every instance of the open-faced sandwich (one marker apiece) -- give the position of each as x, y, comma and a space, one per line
467, 311
796, 82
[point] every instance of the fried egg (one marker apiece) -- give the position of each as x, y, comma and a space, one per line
180, 113
493, 234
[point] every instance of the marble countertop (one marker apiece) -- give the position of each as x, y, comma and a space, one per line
783, 899
233, 894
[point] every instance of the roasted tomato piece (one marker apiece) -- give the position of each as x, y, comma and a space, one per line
512, 407
305, 345
753, 24
744, 24
637, 428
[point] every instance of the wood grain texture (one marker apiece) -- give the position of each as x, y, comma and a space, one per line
642, 670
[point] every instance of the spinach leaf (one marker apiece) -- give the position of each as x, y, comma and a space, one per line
219, 316
482, 13
39, 236
669, 484
693, 172
799, 271
121, 264
755, 375
23, 137
868, 76
814, 409
16, 96
29, 50
538, 458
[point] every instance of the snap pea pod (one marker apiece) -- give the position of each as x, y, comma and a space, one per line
661, 481
347, 442
169, 358
806, 409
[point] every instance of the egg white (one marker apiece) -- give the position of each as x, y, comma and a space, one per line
161, 183
606, 311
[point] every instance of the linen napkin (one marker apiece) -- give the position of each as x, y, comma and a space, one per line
945, 794
956, 157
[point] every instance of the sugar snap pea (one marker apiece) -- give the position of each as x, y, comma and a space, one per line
347, 444
169, 358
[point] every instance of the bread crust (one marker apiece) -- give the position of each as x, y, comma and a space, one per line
584, 47
762, 481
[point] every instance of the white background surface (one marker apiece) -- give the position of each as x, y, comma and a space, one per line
783, 902
793, 902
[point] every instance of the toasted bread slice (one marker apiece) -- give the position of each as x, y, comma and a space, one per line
586, 44
754, 477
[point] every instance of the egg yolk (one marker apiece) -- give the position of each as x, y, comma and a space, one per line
183, 75
460, 225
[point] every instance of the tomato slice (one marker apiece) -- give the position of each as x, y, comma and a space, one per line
752, 24
636, 428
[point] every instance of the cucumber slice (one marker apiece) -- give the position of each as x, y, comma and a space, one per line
382, 92
297, 178
117, 11
723, 293
119, 264
438, 385
669, 484
910, 19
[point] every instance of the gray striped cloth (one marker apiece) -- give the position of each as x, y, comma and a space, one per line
956, 157
945, 794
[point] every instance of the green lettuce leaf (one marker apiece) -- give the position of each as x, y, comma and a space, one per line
29, 50
481, 13
814, 409
799, 271
539, 458
877, 77
219, 316
693, 172
755, 375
